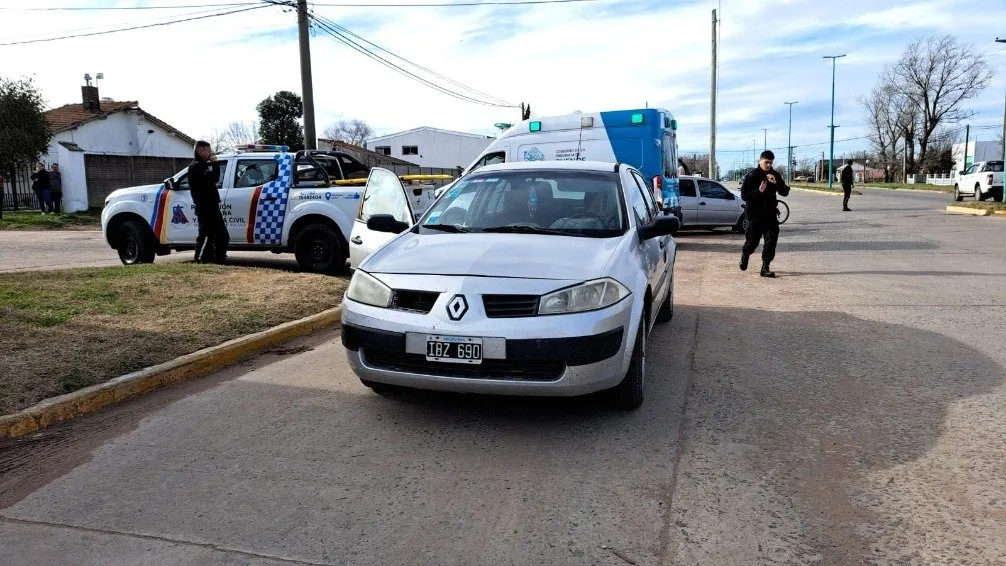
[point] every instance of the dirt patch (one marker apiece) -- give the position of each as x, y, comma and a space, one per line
65, 330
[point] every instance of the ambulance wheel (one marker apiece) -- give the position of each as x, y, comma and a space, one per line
135, 244
318, 249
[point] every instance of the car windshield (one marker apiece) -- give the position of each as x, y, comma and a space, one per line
561, 202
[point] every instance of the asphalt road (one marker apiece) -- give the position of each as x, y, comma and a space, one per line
848, 412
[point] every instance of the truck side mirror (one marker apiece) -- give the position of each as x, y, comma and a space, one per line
169, 183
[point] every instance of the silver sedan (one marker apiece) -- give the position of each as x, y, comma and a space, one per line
527, 278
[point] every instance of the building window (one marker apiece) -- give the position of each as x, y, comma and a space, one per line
410, 150
385, 149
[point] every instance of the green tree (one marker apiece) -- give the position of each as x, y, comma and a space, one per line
278, 120
24, 131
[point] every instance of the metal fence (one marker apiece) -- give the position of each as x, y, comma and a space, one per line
17, 193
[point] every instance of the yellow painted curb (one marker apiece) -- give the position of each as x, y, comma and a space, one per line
818, 191
971, 211
999, 212
190, 366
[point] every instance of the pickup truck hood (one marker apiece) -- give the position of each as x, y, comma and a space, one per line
528, 256
135, 191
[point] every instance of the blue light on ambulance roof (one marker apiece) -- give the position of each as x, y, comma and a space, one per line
534, 126
637, 118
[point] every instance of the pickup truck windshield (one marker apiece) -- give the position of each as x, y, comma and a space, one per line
567, 203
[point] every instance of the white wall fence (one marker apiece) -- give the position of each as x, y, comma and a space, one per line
943, 179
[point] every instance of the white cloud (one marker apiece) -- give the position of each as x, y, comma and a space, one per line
203, 74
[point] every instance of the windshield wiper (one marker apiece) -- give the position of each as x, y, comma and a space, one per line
524, 229
454, 228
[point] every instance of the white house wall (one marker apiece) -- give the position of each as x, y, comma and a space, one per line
73, 176
436, 149
122, 133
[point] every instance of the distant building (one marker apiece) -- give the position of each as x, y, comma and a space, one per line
363, 155
102, 145
977, 151
431, 147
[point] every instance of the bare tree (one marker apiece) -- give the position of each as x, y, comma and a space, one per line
937, 75
355, 132
236, 133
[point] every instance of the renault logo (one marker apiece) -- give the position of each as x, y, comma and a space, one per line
457, 307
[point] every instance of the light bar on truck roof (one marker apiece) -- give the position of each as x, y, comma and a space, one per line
262, 147
637, 117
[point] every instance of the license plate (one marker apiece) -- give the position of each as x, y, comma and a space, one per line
454, 349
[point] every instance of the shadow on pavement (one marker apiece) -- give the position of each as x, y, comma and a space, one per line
786, 415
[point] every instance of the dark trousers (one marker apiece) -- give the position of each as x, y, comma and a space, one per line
758, 229
44, 200
212, 241
847, 189
56, 196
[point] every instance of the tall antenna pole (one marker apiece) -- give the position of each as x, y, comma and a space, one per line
712, 109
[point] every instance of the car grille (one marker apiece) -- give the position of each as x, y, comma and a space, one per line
510, 306
523, 370
415, 301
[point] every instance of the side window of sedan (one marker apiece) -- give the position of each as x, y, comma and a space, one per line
709, 189
686, 187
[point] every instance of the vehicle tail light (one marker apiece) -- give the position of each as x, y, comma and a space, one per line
658, 191
990, 179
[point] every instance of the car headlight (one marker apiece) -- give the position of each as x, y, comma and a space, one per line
589, 296
367, 289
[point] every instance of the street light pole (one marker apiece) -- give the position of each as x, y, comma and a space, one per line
765, 140
789, 144
831, 157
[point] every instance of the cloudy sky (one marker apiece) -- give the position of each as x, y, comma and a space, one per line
574, 55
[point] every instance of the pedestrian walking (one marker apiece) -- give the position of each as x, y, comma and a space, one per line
759, 191
203, 175
848, 177
40, 186
56, 188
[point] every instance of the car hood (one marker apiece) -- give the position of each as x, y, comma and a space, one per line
133, 191
527, 256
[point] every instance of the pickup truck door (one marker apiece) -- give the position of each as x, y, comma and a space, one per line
383, 194
245, 180
175, 212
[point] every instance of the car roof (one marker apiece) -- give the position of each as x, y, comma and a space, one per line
604, 166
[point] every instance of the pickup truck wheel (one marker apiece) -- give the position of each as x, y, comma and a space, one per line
978, 193
134, 243
318, 249
957, 193
628, 395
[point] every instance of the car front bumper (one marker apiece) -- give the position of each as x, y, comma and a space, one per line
561, 355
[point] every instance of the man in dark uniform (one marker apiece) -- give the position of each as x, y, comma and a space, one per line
204, 172
759, 193
848, 177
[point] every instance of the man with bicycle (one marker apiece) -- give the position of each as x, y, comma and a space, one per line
759, 191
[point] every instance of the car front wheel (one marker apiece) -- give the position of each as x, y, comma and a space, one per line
135, 243
628, 395
318, 249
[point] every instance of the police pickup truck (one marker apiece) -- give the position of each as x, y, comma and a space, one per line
302, 203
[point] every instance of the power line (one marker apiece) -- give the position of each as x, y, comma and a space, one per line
349, 42
256, 7
417, 65
452, 4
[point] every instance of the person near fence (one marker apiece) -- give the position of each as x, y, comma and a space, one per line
41, 187
848, 178
759, 191
204, 173
56, 188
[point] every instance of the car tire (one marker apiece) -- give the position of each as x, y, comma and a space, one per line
135, 243
628, 394
666, 312
382, 389
957, 193
978, 193
319, 249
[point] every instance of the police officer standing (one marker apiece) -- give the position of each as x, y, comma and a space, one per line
848, 177
203, 175
759, 192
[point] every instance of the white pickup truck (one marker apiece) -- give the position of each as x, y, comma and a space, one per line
981, 180
301, 203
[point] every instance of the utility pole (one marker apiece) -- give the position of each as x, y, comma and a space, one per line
789, 144
754, 151
712, 108
1004, 132
831, 161
765, 139
306, 83
967, 139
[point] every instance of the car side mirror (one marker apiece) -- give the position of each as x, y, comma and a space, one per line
660, 226
386, 223
169, 183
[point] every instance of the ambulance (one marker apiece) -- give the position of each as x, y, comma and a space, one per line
644, 138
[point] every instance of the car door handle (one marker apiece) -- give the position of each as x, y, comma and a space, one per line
703, 203
268, 199
357, 240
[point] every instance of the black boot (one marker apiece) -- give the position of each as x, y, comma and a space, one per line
765, 271
744, 261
